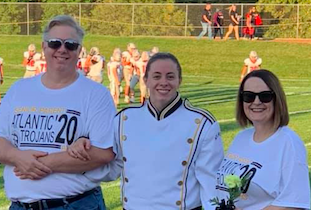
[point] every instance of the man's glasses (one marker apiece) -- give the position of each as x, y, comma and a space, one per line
264, 96
70, 44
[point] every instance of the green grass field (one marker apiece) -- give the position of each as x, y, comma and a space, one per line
211, 71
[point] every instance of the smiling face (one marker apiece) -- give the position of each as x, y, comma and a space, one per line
61, 59
163, 80
257, 112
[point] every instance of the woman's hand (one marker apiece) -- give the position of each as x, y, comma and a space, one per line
79, 148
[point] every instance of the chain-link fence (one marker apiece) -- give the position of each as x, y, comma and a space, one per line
278, 20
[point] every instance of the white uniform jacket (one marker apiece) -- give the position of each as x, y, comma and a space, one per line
170, 158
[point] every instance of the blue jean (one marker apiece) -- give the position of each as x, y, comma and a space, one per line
93, 201
206, 28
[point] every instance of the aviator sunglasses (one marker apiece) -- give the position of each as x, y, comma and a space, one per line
70, 44
264, 96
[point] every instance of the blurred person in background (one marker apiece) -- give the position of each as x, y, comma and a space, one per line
96, 63
218, 20
153, 51
128, 69
113, 67
252, 63
81, 67
234, 23
136, 75
206, 21
30, 57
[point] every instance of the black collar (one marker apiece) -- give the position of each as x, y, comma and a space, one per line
169, 109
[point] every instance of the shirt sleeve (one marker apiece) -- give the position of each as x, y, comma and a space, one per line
294, 185
101, 112
207, 163
112, 170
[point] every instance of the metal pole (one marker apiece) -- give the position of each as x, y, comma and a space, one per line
297, 29
242, 18
27, 19
186, 20
133, 13
80, 14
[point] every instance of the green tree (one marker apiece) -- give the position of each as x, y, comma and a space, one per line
117, 19
12, 18
284, 24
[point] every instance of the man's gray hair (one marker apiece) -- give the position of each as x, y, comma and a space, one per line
63, 20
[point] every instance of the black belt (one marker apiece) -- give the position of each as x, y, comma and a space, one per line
197, 208
54, 203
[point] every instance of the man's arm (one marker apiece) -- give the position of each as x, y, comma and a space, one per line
62, 162
25, 161
206, 19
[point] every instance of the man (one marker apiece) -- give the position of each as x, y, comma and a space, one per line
96, 64
206, 22
127, 59
250, 64
30, 58
1, 74
41, 116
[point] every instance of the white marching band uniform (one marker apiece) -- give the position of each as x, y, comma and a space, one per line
170, 158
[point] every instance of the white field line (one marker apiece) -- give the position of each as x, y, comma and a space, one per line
308, 144
202, 76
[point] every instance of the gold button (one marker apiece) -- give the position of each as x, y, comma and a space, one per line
124, 117
124, 159
184, 163
126, 179
178, 203
197, 121
124, 137
125, 199
180, 183
190, 140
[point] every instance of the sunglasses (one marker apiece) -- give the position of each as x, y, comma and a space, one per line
264, 96
70, 44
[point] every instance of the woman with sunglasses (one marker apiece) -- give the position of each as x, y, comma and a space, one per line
269, 153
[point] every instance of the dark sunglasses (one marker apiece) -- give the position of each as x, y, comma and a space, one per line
70, 44
264, 96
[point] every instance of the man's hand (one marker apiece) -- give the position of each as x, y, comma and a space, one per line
27, 165
79, 149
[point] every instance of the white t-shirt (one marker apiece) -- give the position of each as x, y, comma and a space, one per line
96, 69
32, 60
35, 117
278, 169
251, 66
